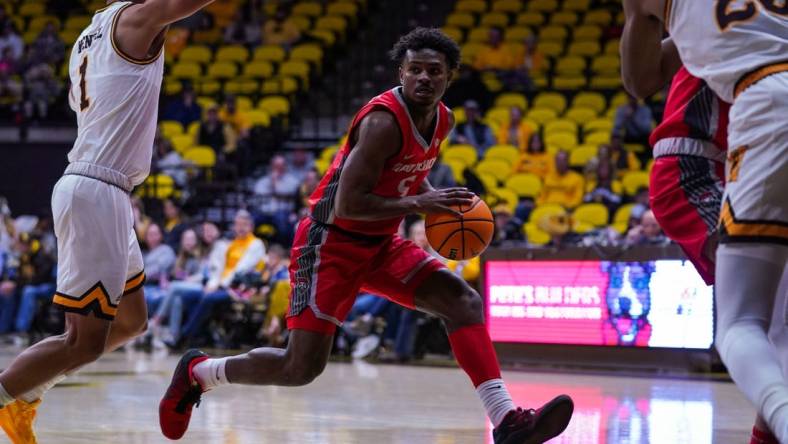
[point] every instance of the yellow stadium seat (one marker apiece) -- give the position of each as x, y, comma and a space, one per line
606, 65
612, 47
270, 53
77, 22
39, 22
622, 214
459, 115
497, 116
592, 100
206, 102
598, 17
580, 156
186, 70
30, 9
327, 38
543, 5
193, 129
511, 99
241, 86
454, 33
580, 115
296, 68
170, 128
584, 48
182, 142
207, 36
258, 70
171, 87
321, 166
507, 196
570, 66
573, 82
508, 6
310, 9
587, 33
541, 115
69, 36
545, 210
525, 184
563, 141
346, 9
606, 82
29, 37
597, 138
159, 186
259, 117
534, 235
530, 18
275, 105
552, 100
463, 153
479, 35
201, 156
222, 70
588, 217
309, 52
576, 5
469, 51
329, 152
196, 53
207, 87
598, 125
497, 167
552, 33
564, 18
281, 85
474, 6
335, 23
461, 20
232, 53
302, 22
551, 49
498, 19
560, 126
489, 181
634, 181
517, 33
507, 153
457, 169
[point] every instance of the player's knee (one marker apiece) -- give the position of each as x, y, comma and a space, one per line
470, 309
303, 371
84, 349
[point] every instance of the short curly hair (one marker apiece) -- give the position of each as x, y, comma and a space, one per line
427, 38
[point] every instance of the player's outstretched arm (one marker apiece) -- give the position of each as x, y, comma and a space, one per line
378, 140
647, 62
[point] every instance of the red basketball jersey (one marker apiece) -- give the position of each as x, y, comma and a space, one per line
693, 111
402, 175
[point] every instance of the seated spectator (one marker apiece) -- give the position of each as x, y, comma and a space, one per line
508, 227
516, 132
633, 121
243, 30
622, 161
167, 161
495, 56
473, 132
216, 134
441, 175
244, 254
42, 90
10, 39
602, 188
559, 227
467, 85
8, 64
531, 59
308, 186
278, 189
174, 223
184, 109
158, 260
36, 279
301, 162
534, 159
280, 29
10, 95
230, 114
647, 232
7, 229
141, 220
47, 48
562, 186
8, 276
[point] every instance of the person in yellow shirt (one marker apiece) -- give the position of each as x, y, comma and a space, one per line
280, 29
562, 186
495, 56
622, 161
535, 160
515, 132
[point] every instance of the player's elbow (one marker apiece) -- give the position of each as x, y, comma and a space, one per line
345, 208
641, 85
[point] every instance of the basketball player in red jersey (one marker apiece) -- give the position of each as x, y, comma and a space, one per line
688, 177
349, 243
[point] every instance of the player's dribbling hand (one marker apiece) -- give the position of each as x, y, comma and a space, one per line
441, 201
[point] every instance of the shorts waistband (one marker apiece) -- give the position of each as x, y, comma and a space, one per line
759, 74
351, 234
688, 147
100, 173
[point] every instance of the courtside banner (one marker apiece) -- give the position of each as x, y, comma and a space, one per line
661, 303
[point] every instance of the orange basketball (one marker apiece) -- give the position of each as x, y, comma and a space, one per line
464, 237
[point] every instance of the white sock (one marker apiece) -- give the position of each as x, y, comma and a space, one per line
210, 373
496, 400
5, 398
39, 391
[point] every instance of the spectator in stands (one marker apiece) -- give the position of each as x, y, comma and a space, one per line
8, 64
280, 29
10, 95
621, 160
441, 175
167, 161
47, 48
495, 56
647, 232
535, 160
301, 162
278, 189
8, 275
508, 227
245, 253
532, 59
42, 90
308, 186
603, 189
473, 131
515, 132
216, 134
185, 109
174, 223
159, 258
35, 278
10, 39
7, 230
466, 86
230, 114
562, 186
141, 220
559, 228
243, 30
633, 121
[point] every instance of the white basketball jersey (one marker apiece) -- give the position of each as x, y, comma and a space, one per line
116, 99
722, 41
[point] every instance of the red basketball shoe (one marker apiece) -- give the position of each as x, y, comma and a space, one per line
184, 392
535, 426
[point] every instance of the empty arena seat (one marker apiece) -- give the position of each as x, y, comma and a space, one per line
584, 48
308, 52
474, 6
570, 65
271, 53
170, 128
633, 181
201, 156
606, 65
479, 35
564, 18
508, 153
496, 167
598, 125
497, 19
591, 100
508, 6
543, 210
186, 70
463, 153
196, 53
454, 33
576, 5
541, 115
553, 33
275, 105
598, 17
309, 9
258, 69
589, 216
530, 18
551, 100
563, 141
507, 196
580, 115
597, 138
580, 156
517, 33
524, 184
542, 5
535, 235
232, 53
158, 186
587, 33
222, 70
560, 126
461, 20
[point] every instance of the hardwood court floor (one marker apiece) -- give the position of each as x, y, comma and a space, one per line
116, 399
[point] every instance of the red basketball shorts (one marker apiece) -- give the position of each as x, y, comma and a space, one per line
328, 268
686, 196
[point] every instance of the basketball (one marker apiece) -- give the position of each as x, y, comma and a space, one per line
465, 237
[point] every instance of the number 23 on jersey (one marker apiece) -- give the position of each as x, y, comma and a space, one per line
727, 14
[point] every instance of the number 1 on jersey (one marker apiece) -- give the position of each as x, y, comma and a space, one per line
84, 101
